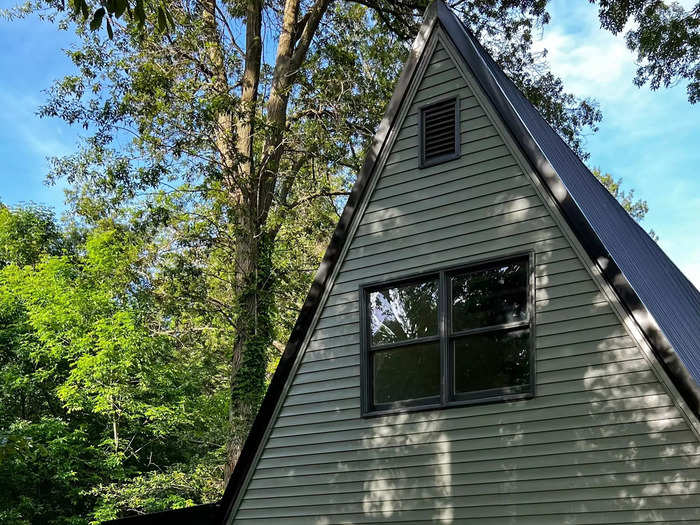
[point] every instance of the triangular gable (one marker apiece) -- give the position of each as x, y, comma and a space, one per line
502, 96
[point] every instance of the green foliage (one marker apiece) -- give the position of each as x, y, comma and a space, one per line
177, 487
665, 36
637, 208
98, 391
45, 466
26, 234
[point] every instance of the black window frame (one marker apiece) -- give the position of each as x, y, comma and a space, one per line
448, 398
423, 163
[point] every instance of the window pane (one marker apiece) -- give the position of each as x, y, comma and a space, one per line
492, 360
400, 313
491, 296
412, 372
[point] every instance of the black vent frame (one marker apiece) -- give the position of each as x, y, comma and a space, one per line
439, 132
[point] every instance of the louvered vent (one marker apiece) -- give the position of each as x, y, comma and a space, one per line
439, 132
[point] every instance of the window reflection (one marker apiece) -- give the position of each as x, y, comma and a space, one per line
404, 312
491, 360
410, 372
492, 296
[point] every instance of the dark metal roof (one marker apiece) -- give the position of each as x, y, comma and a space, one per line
665, 305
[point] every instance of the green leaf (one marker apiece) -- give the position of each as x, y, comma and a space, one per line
96, 21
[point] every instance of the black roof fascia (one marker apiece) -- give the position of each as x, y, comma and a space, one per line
207, 514
328, 264
486, 72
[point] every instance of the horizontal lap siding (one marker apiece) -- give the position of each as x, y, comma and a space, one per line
601, 442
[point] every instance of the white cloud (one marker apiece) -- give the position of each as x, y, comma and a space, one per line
592, 62
603, 63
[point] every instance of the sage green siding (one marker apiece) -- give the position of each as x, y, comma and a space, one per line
602, 441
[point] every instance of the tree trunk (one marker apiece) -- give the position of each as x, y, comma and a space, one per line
253, 335
250, 191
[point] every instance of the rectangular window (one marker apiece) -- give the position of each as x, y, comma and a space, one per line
449, 338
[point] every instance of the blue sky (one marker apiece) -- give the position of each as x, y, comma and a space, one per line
30, 60
650, 139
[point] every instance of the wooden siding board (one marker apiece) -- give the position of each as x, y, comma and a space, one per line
602, 458
561, 443
482, 242
525, 492
588, 475
491, 181
495, 204
520, 518
591, 401
493, 505
450, 257
601, 442
510, 424
492, 436
600, 463
452, 226
627, 408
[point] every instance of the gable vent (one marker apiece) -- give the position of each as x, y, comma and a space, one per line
439, 132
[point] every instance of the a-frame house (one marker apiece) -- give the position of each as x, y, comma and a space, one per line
490, 337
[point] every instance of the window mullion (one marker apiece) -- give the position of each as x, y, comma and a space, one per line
403, 344
492, 328
444, 316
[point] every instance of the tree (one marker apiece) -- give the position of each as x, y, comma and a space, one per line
637, 208
98, 387
46, 459
27, 233
665, 36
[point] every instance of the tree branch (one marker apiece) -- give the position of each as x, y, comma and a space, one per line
309, 198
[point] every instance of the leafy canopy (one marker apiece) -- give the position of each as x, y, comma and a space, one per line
664, 35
